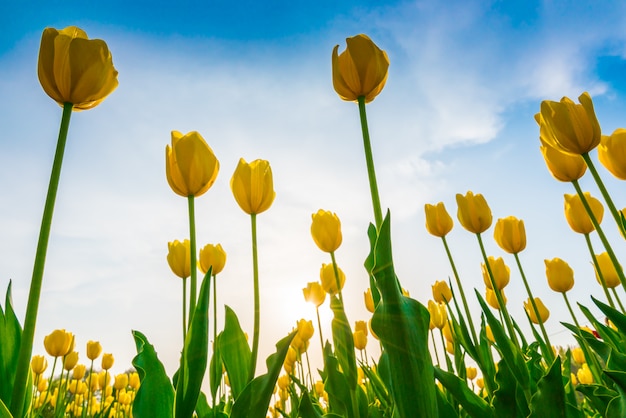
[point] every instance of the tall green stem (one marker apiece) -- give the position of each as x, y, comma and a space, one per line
571, 312
26, 344
605, 194
192, 249
319, 326
371, 173
184, 310
214, 308
336, 272
257, 308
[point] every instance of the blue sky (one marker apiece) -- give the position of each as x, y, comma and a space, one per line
254, 79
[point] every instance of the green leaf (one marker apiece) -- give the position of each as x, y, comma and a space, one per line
618, 318
617, 405
599, 396
336, 385
203, 410
215, 368
473, 404
193, 362
254, 400
10, 338
549, 399
4, 411
401, 324
155, 397
307, 410
343, 341
506, 401
571, 403
235, 353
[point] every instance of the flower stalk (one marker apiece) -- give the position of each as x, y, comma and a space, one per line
369, 160
257, 308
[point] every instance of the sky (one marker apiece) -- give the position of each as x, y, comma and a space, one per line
254, 79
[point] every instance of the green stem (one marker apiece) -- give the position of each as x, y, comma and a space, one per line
458, 283
28, 335
184, 310
549, 354
596, 266
192, 250
603, 238
257, 308
605, 193
619, 302
571, 312
337, 281
214, 308
371, 173
85, 410
319, 326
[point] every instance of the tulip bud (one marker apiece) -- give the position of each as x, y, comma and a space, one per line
501, 272
212, 256
75, 69
329, 280
253, 186
38, 364
359, 71
576, 215
473, 212
510, 234
471, 372
578, 355
70, 360
360, 340
133, 380
93, 350
612, 153
107, 362
438, 314
326, 230
58, 343
562, 166
608, 270
584, 375
441, 292
544, 313
361, 326
79, 371
438, 221
179, 258
369, 300
492, 299
121, 381
314, 293
560, 275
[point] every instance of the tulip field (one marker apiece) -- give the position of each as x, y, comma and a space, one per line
436, 360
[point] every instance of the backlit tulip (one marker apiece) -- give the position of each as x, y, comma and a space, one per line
326, 230
360, 340
369, 300
328, 279
607, 268
577, 216
58, 343
314, 293
283, 382
501, 272
563, 166
93, 350
212, 256
612, 153
560, 275
70, 360
544, 313
584, 375
38, 364
473, 212
179, 258
361, 326
438, 220
107, 362
305, 329
190, 164
510, 234
359, 71
441, 292
492, 300
75, 69
571, 127
253, 186
438, 314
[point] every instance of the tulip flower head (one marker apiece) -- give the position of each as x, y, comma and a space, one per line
473, 212
576, 215
253, 186
492, 299
75, 69
179, 258
314, 293
544, 313
560, 275
578, 355
328, 279
584, 375
441, 292
608, 270
471, 372
612, 153
70, 360
570, 127
212, 256
369, 300
438, 220
190, 164
93, 350
58, 343
326, 230
360, 340
501, 272
438, 314
563, 166
510, 234
359, 71
107, 362
79, 371
38, 364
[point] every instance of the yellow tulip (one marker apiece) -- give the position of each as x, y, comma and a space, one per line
179, 258
573, 378
133, 380
544, 313
360, 340
473, 212
471, 372
359, 71
563, 166
284, 381
510, 234
560, 275
42, 385
121, 381
328, 279
75, 69
361, 326
369, 300
190, 164
447, 332
489, 332
93, 350
612, 153
438, 314
70, 360
253, 186
314, 293
77, 387
326, 230
480, 383
577, 216
79, 371
438, 220
305, 329
578, 355
38, 364
58, 343
212, 256
584, 375
501, 272
107, 362
571, 127
492, 300
607, 268
319, 388
450, 347
441, 292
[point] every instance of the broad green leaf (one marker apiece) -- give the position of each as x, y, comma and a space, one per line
336, 385
343, 341
617, 406
598, 395
549, 399
618, 318
571, 403
254, 400
195, 355
203, 410
443, 405
155, 397
10, 337
401, 324
473, 404
235, 353
607, 334
506, 401
307, 410
4, 411
215, 368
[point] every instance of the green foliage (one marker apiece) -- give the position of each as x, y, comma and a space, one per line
235, 352
473, 404
11, 335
